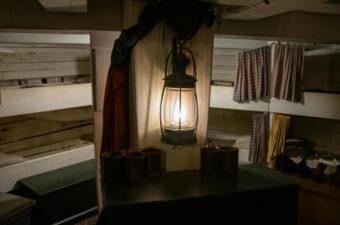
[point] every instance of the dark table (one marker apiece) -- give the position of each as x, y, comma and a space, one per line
257, 195
65, 194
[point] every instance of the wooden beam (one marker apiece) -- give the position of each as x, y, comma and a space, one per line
58, 147
225, 60
34, 127
65, 115
65, 6
43, 70
45, 139
33, 56
228, 69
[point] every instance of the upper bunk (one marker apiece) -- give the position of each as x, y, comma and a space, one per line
321, 91
43, 72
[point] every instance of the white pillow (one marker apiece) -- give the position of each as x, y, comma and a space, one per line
243, 142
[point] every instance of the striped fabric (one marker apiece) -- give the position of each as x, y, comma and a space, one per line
277, 137
252, 75
288, 71
259, 139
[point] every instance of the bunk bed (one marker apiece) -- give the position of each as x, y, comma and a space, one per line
46, 104
316, 118
318, 105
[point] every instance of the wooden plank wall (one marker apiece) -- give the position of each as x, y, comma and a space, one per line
37, 135
224, 64
324, 133
232, 123
321, 72
38, 65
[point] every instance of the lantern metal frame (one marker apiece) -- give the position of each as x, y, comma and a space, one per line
179, 79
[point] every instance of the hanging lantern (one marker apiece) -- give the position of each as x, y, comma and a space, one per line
179, 112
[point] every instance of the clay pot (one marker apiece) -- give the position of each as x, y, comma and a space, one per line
152, 162
112, 165
229, 160
210, 162
134, 166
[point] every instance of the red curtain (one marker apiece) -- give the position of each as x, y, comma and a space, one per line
116, 116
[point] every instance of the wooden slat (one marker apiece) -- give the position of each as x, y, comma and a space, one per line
222, 97
53, 56
223, 135
45, 70
224, 60
34, 127
223, 77
12, 119
53, 148
231, 69
223, 42
67, 81
41, 99
8, 67
9, 83
226, 51
65, 115
39, 48
46, 139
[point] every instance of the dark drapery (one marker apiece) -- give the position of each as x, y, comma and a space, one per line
116, 124
184, 18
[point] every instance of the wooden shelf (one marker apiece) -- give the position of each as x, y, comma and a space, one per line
222, 97
42, 99
321, 105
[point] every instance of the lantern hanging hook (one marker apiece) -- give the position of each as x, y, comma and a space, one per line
181, 44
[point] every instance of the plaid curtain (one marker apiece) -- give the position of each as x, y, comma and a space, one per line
252, 75
259, 139
288, 71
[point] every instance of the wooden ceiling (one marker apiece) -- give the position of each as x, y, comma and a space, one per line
226, 9
256, 9
65, 6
